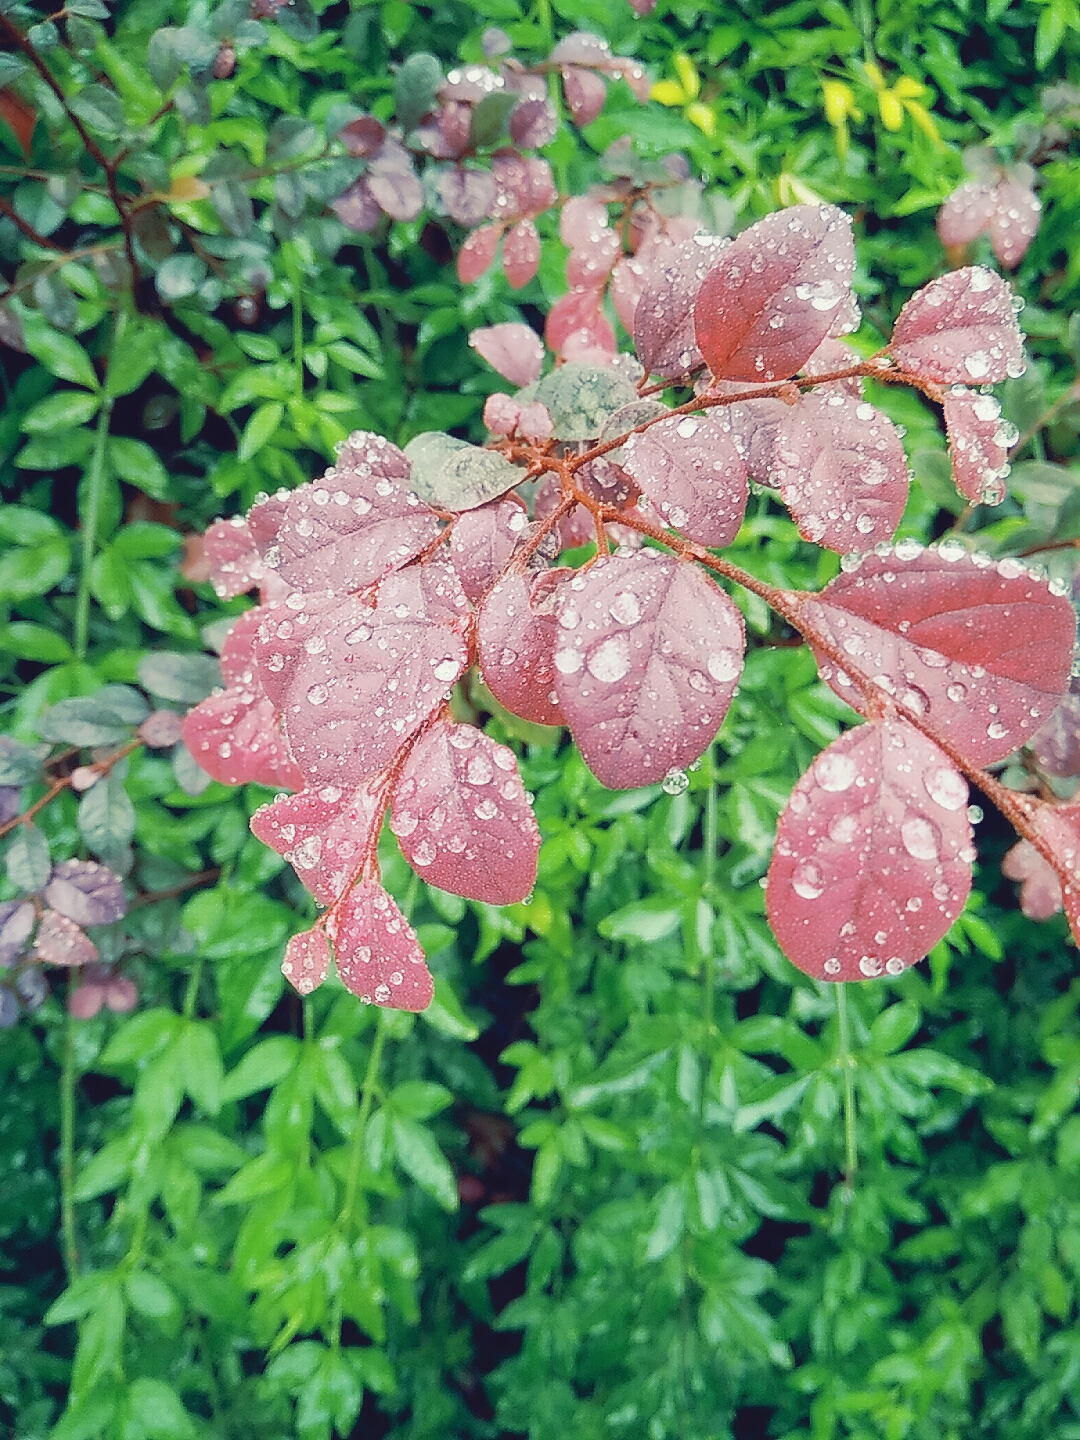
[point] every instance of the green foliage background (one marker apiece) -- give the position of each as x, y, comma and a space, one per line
672, 1227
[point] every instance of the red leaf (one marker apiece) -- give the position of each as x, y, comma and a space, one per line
307, 960
841, 471
478, 253
378, 956
576, 528
754, 427
483, 541
960, 329
513, 349
323, 834
664, 316
690, 468
19, 117
353, 526
85, 892
873, 855
1040, 885
1059, 826
588, 264
61, 942
575, 310
585, 94
238, 650
978, 444
981, 652
832, 355
649, 654
237, 740
235, 563
517, 645
523, 186
628, 280
356, 681
521, 254
461, 817
765, 307
1014, 222
967, 212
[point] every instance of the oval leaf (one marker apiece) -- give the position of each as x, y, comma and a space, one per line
518, 633
378, 956
307, 960
960, 330
325, 835
455, 475
690, 468
663, 317
979, 443
87, 893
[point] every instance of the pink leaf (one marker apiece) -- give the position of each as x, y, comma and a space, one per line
628, 281
576, 528
235, 563
501, 414
378, 955
236, 739
1014, 222
588, 264
873, 855
513, 349
362, 136
1056, 746
648, 658
691, 470
394, 183
584, 220
161, 729
1040, 885
664, 316
966, 213
325, 835
306, 961
461, 817
121, 995
830, 356
1059, 827
523, 186
585, 94
85, 892
754, 426
518, 634
535, 421
61, 942
841, 470
980, 652
238, 650
356, 681
476, 256
769, 302
581, 47
576, 310
358, 522
467, 194
960, 329
483, 541
594, 344
533, 124
978, 444
521, 254
357, 208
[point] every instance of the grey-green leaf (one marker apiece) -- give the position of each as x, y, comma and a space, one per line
28, 860
581, 399
82, 720
455, 475
183, 679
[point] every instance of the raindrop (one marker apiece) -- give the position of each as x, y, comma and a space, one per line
975, 814
870, 966
832, 966
834, 772
568, 662
675, 782
946, 787
317, 695
610, 661
894, 965
724, 665
919, 839
807, 881
625, 608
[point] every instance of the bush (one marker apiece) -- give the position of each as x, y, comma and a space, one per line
630, 1171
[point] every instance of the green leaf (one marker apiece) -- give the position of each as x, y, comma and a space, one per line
581, 398
35, 642
419, 1099
60, 354
135, 462
149, 1295
415, 85
182, 679
84, 720
60, 412
260, 429
179, 276
446, 1015
28, 860
99, 108
156, 1412
201, 1065
34, 570
56, 449
139, 1038
894, 1027
353, 359
106, 817
261, 1068
455, 475
421, 1159
490, 117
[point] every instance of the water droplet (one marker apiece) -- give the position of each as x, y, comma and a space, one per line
724, 665
975, 814
317, 695
807, 880
832, 966
610, 661
870, 966
834, 772
675, 782
446, 669
479, 770
568, 662
919, 838
894, 965
946, 787
625, 608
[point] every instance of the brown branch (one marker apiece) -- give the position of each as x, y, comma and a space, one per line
189, 882
63, 782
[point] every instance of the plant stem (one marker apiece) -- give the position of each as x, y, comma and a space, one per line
67, 1148
708, 879
851, 1148
191, 994
95, 495
367, 1100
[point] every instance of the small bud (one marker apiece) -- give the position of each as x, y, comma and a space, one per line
246, 310
84, 776
224, 63
161, 730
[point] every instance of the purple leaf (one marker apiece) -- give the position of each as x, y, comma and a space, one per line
378, 956
85, 892
521, 254
754, 426
61, 942
980, 652
967, 212
581, 47
664, 316
357, 208
161, 730
589, 263
841, 470
467, 193
978, 444
767, 305
501, 414
533, 123
1014, 222
483, 541
524, 187
394, 183
235, 565
362, 136
518, 633
649, 654
307, 960
585, 94
16, 922
690, 468
583, 220
353, 526
1040, 884
356, 681
513, 349
873, 855
1056, 745
461, 817
960, 330
325, 835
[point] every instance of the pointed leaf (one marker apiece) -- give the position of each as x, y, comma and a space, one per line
664, 336
755, 425
307, 960
841, 470
455, 475
518, 633
461, 817
585, 94
236, 738
768, 303
690, 468
648, 658
873, 855
378, 956
85, 892
325, 835
17, 919
979, 651
483, 541
513, 349
353, 526
61, 942
960, 330
978, 444
1014, 222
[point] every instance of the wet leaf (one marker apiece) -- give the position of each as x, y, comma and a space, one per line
61, 942
307, 960
85, 892
455, 475
960, 329
513, 349
518, 633
581, 399
979, 443
664, 335
521, 253
690, 468
323, 834
483, 541
873, 854
378, 956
